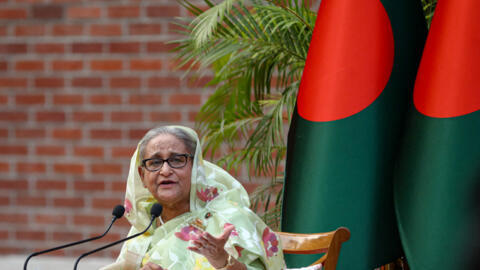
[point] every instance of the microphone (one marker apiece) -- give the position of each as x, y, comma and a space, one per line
155, 211
117, 213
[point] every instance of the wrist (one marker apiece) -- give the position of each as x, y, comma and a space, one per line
229, 262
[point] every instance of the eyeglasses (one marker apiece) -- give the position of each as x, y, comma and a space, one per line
175, 161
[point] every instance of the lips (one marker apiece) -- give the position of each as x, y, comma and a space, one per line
167, 182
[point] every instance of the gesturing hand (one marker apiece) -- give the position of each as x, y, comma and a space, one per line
213, 247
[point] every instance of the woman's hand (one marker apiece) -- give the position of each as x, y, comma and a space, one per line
151, 266
213, 247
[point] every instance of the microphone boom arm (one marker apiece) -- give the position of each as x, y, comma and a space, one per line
68, 245
114, 243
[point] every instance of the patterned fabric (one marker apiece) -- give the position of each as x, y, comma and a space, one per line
216, 200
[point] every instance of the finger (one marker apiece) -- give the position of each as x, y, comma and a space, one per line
227, 231
153, 266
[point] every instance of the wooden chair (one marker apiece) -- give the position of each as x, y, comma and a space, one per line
316, 243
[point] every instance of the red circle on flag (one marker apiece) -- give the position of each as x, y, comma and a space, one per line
448, 80
349, 61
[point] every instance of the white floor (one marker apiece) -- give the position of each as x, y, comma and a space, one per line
52, 263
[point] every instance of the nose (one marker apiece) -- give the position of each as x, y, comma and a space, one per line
165, 169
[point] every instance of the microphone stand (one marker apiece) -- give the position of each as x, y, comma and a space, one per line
155, 211
68, 245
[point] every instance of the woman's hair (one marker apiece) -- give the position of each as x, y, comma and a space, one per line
190, 143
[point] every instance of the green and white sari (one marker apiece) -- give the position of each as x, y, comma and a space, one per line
216, 200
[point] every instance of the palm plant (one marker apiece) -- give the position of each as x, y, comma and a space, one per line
257, 51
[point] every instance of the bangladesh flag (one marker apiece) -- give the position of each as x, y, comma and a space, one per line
439, 174
343, 139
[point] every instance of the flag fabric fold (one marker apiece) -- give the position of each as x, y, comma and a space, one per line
438, 175
344, 135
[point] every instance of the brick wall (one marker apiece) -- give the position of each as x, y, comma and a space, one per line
80, 83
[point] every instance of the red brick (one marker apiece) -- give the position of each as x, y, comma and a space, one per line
120, 151
4, 201
89, 185
10, 250
106, 30
67, 99
166, 116
50, 150
67, 29
50, 116
25, 167
87, 82
69, 202
164, 82
67, 236
13, 116
13, 150
4, 167
125, 82
145, 99
88, 116
49, 82
192, 116
67, 65
119, 186
30, 235
106, 134
13, 13
124, 47
145, 29
3, 99
106, 65
185, 99
163, 11
105, 203
50, 185
126, 116
89, 220
31, 201
106, 168
30, 133
84, 12
159, 46
3, 133
50, 219
88, 151
3, 65
3, 30
69, 168
87, 47
13, 82
109, 238
30, 30
123, 11
29, 65
105, 99
47, 12
15, 184
13, 48
136, 134
50, 48
67, 133
29, 99
143, 64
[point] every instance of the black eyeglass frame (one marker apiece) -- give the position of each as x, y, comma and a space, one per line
144, 162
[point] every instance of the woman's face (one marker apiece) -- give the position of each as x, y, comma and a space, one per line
169, 186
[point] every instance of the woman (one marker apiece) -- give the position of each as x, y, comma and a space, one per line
206, 222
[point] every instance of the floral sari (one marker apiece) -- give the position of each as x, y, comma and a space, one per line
216, 200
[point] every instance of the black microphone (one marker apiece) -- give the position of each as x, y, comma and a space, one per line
117, 213
155, 212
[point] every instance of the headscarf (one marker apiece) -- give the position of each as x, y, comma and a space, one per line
216, 200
